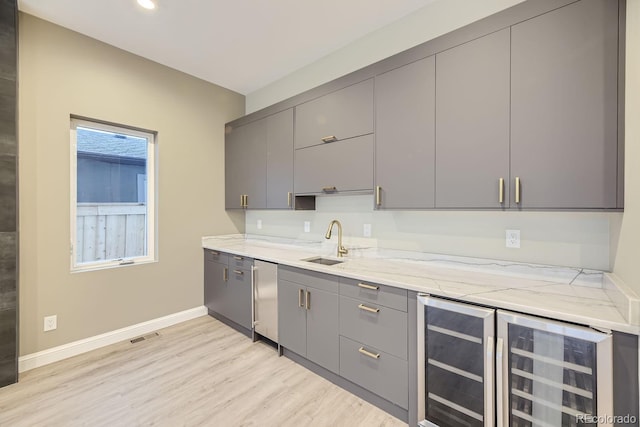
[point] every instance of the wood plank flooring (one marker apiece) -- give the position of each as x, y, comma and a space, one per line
197, 373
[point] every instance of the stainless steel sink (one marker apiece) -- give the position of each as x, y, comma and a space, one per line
323, 261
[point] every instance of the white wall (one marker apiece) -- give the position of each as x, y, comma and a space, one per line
431, 21
568, 239
63, 73
627, 249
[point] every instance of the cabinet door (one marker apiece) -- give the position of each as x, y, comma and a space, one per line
323, 343
292, 315
238, 300
405, 150
552, 372
344, 114
347, 166
564, 69
280, 160
246, 166
215, 286
472, 123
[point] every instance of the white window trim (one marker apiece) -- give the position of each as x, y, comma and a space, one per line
152, 209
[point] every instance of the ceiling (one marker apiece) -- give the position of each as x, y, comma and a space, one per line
242, 45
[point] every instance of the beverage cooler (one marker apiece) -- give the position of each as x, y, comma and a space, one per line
479, 366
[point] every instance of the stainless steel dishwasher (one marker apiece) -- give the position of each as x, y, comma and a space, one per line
265, 299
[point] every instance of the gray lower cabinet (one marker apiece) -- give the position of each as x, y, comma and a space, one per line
374, 339
564, 106
472, 124
379, 372
405, 136
308, 315
227, 287
339, 115
215, 280
259, 164
341, 166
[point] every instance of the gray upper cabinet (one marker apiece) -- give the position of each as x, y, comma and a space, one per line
342, 114
279, 129
246, 166
346, 165
405, 146
259, 164
472, 124
564, 70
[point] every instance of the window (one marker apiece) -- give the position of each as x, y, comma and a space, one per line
112, 195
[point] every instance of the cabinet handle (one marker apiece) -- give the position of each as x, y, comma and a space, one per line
369, 309
300, 302
289, 195
499, 384
488, 390
378, 195
246, 201
368, 353
329, 138
517, 189
242, 200
501, 191
238, 272
364, 285
329, 189
214, 253
239, 258
225, 274
308, 300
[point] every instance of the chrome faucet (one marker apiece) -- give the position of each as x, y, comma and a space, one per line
341, 249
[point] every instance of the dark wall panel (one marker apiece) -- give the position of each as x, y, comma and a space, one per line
8, 194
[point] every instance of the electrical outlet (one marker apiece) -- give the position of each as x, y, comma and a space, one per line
513, 239
259, 224
366, 230
307, 226
50, 323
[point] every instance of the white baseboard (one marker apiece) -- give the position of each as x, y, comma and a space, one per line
41, 358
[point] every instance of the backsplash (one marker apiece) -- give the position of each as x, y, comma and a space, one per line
575, 239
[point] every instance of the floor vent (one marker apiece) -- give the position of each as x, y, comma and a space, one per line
145, 337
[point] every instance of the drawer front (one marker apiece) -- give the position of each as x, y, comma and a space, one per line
374, 293
313, 279
378, 326
344, 114
387, 376
215, 256
345, 165
240, 262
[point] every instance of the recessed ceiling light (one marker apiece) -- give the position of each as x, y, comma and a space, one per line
147, 4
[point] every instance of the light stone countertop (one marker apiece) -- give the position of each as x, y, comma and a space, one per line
587, 297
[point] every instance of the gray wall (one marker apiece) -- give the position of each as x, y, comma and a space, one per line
8, 192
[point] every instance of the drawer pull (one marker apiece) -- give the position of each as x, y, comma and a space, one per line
330, 138
329, 189
214, 253
369, 309
368, 353
238, 272
373, 288
239, 258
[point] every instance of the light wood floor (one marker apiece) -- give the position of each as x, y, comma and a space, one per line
197, 373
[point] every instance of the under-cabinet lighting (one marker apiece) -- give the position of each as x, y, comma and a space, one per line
147, 4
